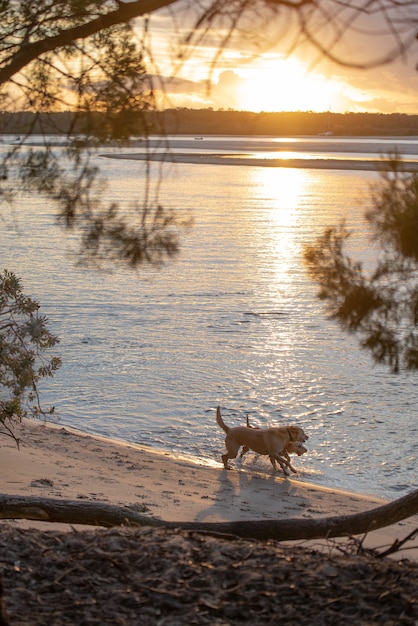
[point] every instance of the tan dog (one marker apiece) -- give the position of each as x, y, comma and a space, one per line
295, 447
266, 441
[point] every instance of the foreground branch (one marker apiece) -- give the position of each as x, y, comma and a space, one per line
107, 515
71, 512
325, 528
124, 13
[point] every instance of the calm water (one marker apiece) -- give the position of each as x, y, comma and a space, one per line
233, 320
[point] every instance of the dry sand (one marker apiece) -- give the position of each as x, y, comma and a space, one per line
62, 463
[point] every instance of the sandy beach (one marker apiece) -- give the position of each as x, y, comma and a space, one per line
57, 462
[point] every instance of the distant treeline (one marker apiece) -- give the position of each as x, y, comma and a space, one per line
222, 122
209, 122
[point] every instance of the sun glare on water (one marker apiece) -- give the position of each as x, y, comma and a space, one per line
277, 84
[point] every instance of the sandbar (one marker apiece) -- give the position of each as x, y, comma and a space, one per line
247, 160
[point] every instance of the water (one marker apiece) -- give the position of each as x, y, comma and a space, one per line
234, 320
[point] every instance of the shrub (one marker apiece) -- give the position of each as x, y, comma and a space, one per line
24, 340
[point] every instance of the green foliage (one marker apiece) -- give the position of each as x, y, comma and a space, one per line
394, 216
24, 340
380, 305
124, 89
99, 75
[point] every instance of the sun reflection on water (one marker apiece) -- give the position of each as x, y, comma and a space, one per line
278, 255
280, 190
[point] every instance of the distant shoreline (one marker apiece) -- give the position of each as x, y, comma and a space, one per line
204, 122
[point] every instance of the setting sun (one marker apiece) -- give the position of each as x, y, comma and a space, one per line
278, 84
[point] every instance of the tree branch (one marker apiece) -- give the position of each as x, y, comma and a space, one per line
124, 13
101, 514
71, 512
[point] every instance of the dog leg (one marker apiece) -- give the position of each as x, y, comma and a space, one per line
273, 462
225, 458
283, 464
286, 458
244, 450
292, 469
232, 447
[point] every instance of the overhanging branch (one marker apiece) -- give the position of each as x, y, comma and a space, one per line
124, 13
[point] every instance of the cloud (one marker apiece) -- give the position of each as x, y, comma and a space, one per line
388, 88
373, 36
172, 92
225, 91
182, 92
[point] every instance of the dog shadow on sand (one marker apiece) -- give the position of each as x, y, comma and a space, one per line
244, 494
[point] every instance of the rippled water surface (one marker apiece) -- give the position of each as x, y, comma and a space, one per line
233, 320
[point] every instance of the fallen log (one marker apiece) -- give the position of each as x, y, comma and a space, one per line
71, 512
107, 515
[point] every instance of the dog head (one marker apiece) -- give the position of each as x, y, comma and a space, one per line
297, 434
296, 447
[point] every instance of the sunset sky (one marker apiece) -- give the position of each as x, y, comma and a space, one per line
270, 79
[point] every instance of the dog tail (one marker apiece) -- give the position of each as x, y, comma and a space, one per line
220, 421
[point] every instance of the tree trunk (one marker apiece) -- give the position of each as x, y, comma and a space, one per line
101, 514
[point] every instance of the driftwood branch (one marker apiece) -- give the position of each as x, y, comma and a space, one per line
323, 528
71, 512
107, 515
